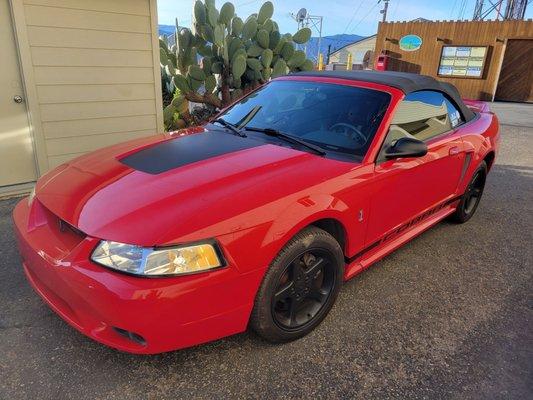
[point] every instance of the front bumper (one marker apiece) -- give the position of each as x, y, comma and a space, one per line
168, 313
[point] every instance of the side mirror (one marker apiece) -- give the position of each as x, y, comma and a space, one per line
407, 147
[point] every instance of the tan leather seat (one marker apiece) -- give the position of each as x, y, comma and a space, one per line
395, 133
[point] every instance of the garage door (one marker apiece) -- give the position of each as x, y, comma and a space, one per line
516, 76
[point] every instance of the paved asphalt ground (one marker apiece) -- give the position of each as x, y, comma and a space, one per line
447, 316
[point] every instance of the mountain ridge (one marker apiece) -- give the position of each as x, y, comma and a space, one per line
336, 41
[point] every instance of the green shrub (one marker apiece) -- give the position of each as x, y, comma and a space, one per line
236, 57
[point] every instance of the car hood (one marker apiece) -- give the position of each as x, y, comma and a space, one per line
177, 187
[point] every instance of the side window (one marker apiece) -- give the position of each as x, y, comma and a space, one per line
423, 115
455, 116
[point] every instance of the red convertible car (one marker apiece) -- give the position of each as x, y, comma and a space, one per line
256, 218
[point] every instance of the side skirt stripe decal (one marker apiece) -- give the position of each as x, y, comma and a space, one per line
402, 228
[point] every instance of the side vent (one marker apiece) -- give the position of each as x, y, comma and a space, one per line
466, 164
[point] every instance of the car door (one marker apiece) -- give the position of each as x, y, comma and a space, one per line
404, 188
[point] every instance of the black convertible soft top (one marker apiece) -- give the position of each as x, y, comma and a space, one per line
404, 81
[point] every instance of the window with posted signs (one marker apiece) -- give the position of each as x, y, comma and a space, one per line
462, 61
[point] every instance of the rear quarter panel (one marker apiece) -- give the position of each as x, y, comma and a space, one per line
481, 137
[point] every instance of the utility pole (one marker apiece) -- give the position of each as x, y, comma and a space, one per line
385, 8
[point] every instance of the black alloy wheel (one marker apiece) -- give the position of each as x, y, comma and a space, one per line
303, 289
474, 191
300, 286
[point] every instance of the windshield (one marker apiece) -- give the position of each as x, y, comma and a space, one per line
340, 119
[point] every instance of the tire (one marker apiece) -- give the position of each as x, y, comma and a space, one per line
472, 195
299, 288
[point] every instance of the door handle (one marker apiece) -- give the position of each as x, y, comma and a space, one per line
454, 150
17, 99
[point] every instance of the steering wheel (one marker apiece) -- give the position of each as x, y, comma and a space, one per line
350, 131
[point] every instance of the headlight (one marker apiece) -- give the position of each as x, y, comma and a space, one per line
157, 261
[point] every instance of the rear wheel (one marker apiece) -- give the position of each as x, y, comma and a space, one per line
300, 287
470, 199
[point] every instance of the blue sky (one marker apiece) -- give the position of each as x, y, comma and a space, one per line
340, 16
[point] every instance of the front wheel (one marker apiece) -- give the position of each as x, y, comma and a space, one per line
470, 199
299, 288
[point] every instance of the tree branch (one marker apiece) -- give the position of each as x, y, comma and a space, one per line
205, 98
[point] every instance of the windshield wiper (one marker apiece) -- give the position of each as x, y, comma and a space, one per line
231, 127
287, 138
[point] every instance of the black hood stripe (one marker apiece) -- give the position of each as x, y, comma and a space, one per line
185, 150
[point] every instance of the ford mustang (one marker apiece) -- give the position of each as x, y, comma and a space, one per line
255, 219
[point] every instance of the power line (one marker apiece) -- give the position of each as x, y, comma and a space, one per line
247, 3
452, 13
396, 8
462, 10
353, 16
365, 17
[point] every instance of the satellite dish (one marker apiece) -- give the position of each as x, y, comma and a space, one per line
301, 15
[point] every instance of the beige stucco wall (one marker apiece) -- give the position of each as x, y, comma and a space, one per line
357, 49
91, 73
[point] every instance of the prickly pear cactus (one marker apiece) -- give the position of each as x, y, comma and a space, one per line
223, 57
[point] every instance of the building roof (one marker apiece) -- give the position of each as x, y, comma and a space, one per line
404, 81
352, 43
